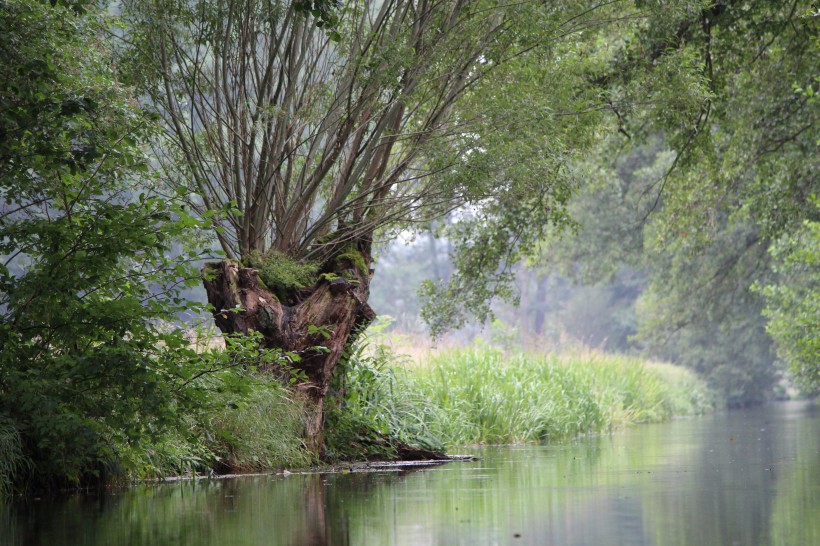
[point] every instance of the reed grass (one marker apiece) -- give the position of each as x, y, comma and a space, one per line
483, 395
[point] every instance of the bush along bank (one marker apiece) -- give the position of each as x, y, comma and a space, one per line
208, 411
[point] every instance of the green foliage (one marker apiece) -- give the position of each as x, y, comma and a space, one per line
721, 162
283, 275
688, 300
745, 166
89, 373
241, 419
520, 153
793, 303
700, 311
536, 163
749, 140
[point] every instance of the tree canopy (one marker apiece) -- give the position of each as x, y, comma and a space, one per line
298, 139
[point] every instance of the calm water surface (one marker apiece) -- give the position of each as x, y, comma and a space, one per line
746, 478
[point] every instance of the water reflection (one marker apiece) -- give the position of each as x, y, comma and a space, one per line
738, 478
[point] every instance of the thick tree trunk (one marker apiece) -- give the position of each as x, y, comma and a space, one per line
337, 302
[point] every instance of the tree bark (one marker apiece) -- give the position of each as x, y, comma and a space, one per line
337, 303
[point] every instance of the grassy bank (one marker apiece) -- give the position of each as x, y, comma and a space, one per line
482, 395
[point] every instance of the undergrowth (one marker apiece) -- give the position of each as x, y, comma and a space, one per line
380, 404
261, 432
370, 415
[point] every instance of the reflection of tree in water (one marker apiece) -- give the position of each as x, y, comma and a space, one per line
332, 501
724, 493
298, 510
796, 511
365, 505
715, 485
739, 463
313, 526
748, 478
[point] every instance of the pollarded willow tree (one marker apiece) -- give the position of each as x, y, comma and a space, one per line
302, 129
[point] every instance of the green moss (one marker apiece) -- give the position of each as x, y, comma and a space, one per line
282, 275
210, 272
263, 284
352, 254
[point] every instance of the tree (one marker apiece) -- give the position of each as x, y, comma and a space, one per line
87, 369
690, 302
749, 146
748, 162
700, 311
743, 169
793, 303
300, 139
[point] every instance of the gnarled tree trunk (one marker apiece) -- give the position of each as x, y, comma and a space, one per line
337, 301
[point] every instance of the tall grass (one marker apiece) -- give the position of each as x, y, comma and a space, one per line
482, 395
261, 432
372, 411
12, 459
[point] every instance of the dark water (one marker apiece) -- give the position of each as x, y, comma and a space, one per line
747, 478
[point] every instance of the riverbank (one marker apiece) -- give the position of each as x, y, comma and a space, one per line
386, 403
460, 397
746, 477
456, 398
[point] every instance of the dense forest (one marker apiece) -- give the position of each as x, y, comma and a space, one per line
639, 175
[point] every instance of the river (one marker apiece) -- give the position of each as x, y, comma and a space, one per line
734, 478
